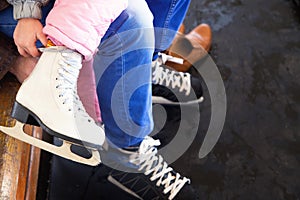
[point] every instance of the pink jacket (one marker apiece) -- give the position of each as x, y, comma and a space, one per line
80, 24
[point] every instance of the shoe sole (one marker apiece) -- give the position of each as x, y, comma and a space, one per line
161, 100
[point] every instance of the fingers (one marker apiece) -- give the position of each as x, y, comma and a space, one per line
33, 51
22, 52
26, 47
27, 32
42, 38
28, 50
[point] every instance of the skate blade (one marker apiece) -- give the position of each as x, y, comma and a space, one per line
64, 150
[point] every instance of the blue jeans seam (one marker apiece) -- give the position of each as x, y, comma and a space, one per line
167, 22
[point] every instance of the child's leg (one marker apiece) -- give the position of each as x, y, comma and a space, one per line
130, 124
78, 26
123, 74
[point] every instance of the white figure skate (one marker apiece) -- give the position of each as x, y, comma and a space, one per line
49, 97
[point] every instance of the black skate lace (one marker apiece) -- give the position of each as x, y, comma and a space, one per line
167, 77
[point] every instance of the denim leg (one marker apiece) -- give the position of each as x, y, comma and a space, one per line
168, 16
8, 23
123, 75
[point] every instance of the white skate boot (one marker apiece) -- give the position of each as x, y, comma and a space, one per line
49, 96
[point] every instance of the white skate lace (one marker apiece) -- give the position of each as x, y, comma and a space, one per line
167, 77
68, 73
150, 162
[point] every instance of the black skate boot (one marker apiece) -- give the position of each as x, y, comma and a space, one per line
139, 173
171, 87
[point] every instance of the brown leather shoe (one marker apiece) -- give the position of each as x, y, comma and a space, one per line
181, 29
191, 47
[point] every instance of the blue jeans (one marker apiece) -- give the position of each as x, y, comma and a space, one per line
168, 16
123, 64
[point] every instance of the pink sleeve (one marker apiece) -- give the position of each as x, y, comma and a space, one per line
80, 24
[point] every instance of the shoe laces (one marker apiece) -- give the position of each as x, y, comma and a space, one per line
154, 165
68, 72
168, 77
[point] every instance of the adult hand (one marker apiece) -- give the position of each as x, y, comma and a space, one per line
27, 32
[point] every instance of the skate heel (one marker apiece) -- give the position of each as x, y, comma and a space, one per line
22, 114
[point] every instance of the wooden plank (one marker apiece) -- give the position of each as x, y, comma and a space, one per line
34, 163
23, 171
10, 148
19, 162
29, 167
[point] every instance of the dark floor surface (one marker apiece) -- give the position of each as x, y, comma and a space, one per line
256, 46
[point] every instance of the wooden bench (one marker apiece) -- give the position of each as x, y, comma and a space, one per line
19, 162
